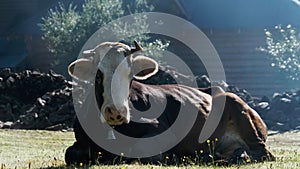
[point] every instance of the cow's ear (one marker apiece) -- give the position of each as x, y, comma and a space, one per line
81, 69
144, 67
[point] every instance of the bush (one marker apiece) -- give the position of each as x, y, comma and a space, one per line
283, 47
66, 29
58, 29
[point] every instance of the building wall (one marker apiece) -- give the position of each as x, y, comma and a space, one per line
245, 66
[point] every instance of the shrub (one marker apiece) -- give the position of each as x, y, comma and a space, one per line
283, 47
58, 29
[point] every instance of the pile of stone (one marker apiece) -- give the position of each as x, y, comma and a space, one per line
35, 100
281, 112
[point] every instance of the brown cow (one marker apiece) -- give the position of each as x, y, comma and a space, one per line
241, 133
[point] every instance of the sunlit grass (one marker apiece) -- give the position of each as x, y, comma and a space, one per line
44, 149
24, 148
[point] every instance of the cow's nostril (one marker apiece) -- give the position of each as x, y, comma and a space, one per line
111, 118
119, 117
108, 109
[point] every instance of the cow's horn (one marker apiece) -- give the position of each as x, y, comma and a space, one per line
137, 48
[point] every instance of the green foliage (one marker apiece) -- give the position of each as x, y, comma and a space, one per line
96, 13
66, 29
58, 29
283, 47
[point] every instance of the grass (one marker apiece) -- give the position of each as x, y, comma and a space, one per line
45, 149
24, 148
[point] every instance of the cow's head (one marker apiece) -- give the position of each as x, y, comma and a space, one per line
118, 67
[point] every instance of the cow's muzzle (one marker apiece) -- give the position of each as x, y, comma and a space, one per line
114, 116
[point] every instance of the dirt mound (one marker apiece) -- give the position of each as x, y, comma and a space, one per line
36, 100
280, 113
283, 112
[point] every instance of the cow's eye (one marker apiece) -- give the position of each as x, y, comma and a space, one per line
126, 53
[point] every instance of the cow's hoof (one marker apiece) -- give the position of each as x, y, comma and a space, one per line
268, 157
240, 156
76, 155
271, 157
264, 155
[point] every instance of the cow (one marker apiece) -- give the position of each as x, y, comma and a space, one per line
240, 135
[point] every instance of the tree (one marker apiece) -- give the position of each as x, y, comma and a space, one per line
283, 47
66, 29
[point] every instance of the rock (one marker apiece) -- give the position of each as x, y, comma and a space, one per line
56, 127
7, 125
265, 99
264, 105
9, 82
28, 94
285, 100
276, 95
57, 109
55, 75
41, 101
223, 85
5, 73
6, 111
203, 81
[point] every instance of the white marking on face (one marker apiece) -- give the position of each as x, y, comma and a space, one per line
121, 80
116, 82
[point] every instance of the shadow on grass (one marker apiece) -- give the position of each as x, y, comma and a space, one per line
65, 167
57, 167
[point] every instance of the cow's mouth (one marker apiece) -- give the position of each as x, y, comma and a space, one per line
114, 123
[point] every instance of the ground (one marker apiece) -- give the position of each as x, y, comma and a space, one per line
45, 149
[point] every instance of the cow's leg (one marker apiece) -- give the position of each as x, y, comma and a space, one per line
86, 151
140, 147
245, 127
77, 154
255, 134
80, 151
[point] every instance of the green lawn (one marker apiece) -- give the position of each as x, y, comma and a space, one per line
45, 149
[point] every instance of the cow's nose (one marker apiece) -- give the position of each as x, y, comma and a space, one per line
114, 116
